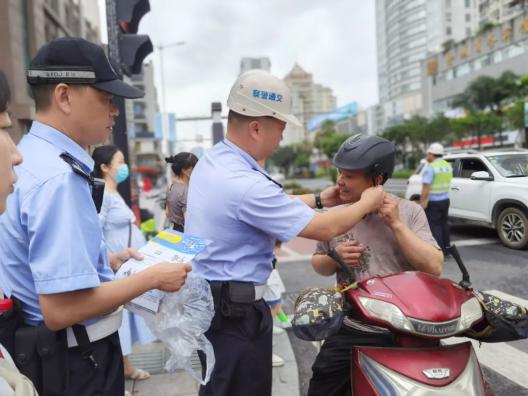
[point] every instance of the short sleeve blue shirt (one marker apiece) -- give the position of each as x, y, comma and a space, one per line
50, 237
427, 178
233, 203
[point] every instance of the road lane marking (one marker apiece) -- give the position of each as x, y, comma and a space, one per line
502, 358
297, 257
289, 251
475, 242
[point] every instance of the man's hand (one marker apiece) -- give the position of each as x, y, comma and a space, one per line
423, 204
373, 197
170, 277
350, 252
330, 197
390, 211
117, 259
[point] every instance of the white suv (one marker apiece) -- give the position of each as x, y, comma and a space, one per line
490, 188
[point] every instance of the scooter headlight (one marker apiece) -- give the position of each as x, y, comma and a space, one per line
387, 312
470, 312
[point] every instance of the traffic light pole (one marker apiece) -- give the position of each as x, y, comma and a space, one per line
120, 136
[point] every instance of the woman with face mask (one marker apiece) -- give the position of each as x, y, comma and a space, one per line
120, 232
182, 166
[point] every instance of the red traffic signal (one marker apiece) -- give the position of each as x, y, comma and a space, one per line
133, 48
129, 13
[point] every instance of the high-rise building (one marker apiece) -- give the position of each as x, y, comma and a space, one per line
262, 63
406, 30
499, 11
145, 144
309, 101
24, 27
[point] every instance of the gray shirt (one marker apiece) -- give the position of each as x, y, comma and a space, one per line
382, 255
177, 203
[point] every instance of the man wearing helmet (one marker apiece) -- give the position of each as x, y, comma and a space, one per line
395, 239
435, 193
233, 202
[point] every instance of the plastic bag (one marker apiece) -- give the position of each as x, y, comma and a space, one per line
180, 323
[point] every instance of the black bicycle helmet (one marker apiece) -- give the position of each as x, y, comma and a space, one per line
372, 154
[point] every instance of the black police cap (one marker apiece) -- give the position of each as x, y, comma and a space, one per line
74, 60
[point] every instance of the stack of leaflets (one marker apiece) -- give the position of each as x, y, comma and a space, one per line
167, 246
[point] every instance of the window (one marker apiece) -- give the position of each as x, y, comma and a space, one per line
468, 32
513, 50
497, 56
448, 30
470, 165
468, 17
468, 3
139, 110
482, 62
463, 69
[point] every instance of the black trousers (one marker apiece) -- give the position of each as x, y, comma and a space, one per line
436, 213
242, 349
107, 379
331, 369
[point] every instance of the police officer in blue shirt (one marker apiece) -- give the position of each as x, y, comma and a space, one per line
236, 204
52, 256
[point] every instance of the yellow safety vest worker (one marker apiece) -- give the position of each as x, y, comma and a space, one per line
443, 173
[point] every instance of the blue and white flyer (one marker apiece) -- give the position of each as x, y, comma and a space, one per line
167, 246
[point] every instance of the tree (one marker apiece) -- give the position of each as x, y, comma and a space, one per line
331, 143
515, 115
284, 157
477, 124
327, 129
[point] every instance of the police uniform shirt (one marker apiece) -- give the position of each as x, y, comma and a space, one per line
232, 202
50, 237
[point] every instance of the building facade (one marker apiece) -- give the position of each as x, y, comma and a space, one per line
447, 73
24, 27
248, 63
499, 11
406, 31
309, 100
145, 139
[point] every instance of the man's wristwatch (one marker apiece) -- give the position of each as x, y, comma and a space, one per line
318, 202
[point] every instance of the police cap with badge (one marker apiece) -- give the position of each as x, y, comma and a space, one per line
73, 60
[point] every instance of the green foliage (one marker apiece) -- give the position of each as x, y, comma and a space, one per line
486, 26
515, 115
333, 174
291, 186
321, 172
284, 157
403, 174
331, 143
292, 155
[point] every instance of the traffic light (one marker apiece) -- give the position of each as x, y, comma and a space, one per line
132, 47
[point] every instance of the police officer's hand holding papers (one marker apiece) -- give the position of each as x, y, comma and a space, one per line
179, 319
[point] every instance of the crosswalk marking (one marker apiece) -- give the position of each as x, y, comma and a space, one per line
289, 251
501, 357
475, 242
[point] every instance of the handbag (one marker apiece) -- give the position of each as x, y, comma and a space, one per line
318, 313
503, 320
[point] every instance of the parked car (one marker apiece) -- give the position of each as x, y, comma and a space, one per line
488, 188
414, 184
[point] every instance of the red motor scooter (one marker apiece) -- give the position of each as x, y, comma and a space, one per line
420, 310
